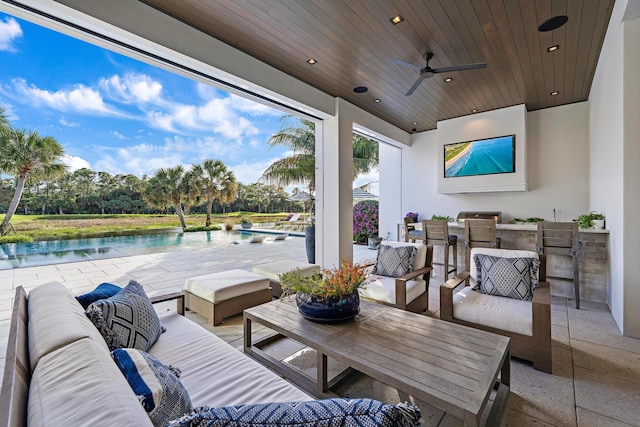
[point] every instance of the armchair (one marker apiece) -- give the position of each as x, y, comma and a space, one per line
527, 323
400, 289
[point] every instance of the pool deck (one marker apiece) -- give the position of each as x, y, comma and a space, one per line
596, 375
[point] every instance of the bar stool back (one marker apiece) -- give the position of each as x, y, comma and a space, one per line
436, 232
410, 232
561, 238
479, 233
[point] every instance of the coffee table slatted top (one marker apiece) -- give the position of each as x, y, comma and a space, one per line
450, 366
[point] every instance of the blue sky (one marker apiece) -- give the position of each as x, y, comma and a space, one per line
115, 114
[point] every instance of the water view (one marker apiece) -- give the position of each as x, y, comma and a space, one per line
16, 255
489, 156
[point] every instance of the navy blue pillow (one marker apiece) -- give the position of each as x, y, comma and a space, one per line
104, 290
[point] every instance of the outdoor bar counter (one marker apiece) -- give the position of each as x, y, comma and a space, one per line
594, 260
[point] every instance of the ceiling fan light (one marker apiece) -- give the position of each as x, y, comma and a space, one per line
553, 48
396, 19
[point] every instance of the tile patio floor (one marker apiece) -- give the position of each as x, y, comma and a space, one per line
596, 379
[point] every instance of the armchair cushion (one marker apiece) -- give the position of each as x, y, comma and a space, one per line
384, 289
507, 277
395, 261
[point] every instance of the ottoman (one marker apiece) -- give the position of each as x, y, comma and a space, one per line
220, 295
271, 271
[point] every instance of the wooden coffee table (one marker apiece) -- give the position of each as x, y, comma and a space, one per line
449, 366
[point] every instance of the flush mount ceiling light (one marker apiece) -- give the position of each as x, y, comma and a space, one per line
311, 61
448, 80
554, 93
396, 19
377, 100
553, 48
475, 110
360, 89
553, 23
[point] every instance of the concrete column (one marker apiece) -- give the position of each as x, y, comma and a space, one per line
390, 206
334, 178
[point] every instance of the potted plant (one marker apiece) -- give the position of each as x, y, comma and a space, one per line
441, 217
328, 297
413, 216
245, 222
591, 220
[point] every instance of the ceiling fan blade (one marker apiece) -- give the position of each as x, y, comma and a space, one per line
461, 67
415, 85
406, 64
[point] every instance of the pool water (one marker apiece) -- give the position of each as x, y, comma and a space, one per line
16, 255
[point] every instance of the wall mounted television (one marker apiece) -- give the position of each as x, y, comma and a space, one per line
488, 156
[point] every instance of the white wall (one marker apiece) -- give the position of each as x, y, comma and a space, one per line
390, 208
558, 174
502, 122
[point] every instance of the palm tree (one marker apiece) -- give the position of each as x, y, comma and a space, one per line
25, 153
299, 137
215, 182
4, 121
164, 189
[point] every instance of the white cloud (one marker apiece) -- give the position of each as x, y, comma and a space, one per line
79, 98
74, 163
132, 88
68, 124
118, 135
248, 173
9, 31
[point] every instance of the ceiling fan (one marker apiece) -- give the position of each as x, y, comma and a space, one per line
428, 72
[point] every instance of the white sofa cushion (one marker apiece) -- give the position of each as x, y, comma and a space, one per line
225, 285
80, 385
497, 312
213, 372
384, 289
55, 320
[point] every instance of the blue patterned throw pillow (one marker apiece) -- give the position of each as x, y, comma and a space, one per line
104, 290
325, 413
157, 386
127, 319
506, 277
395, 261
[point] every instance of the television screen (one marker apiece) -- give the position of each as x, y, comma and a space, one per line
481, 157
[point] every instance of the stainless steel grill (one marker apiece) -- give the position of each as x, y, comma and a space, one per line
497, 215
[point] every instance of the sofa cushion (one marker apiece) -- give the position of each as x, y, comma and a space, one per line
55, 320
384, 289
395, 261
102, 291
79, 385
497, 312
157, 386
127, 319
214, 372
328, 412
506, 277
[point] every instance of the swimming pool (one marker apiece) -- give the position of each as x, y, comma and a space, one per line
46, 252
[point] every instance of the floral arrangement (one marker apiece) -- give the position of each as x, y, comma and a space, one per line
413, 215
365, 220
338, 282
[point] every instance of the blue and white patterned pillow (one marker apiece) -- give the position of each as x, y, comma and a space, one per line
395, 261
506, 277
157, 386
325, 413
127, 319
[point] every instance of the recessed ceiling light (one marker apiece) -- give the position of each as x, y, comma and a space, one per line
554, 93
448, 80
475, 110
414, 123
396, 19
360, 89
553, 23
312, 61
553, 48
377, 100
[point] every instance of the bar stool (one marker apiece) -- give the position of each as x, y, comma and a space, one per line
479, 233
436, 232
410, 232
561, 238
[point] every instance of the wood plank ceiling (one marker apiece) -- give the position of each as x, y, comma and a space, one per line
354, 40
